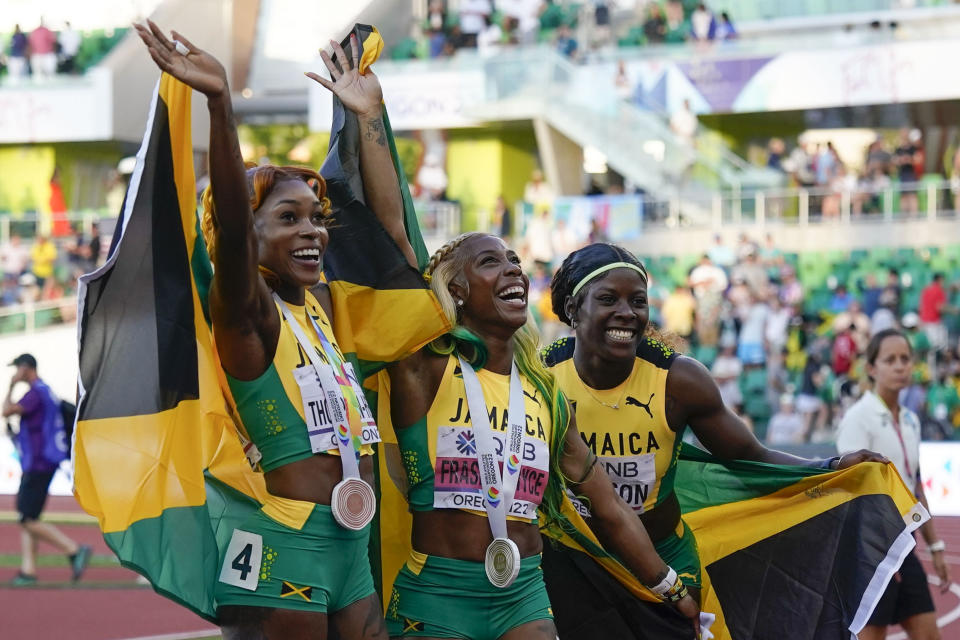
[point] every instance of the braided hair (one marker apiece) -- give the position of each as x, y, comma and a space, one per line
447, 265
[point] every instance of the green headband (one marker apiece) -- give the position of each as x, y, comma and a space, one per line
607, 267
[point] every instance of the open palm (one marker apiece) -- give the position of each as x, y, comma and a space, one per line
195, 68
360, 93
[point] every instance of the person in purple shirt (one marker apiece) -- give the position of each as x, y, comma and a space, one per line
42, 445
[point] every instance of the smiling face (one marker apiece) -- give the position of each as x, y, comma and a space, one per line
612, 315
893, 364
492, 285
291, 233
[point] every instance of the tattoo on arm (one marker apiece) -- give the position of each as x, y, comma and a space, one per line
376, 132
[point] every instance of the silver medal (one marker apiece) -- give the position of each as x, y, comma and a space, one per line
502, 562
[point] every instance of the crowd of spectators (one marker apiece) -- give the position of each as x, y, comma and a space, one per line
884, 168
41, 53
45, 268
491, 25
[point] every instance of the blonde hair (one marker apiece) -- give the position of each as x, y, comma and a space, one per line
260, 182
446, 265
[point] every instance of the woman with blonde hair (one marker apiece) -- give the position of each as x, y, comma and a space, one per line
479, 489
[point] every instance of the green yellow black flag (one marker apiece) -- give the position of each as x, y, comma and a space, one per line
158, 459
786, 552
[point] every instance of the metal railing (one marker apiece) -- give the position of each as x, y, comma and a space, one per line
30, 316
32, 225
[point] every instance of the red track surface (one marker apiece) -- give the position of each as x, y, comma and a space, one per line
108, 604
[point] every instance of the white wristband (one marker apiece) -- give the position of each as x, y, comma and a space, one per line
939, 545
667, 582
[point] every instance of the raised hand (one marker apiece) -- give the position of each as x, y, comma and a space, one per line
360, 93
193, 66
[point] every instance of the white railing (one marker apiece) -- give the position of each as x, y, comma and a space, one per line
32, 225
30, 316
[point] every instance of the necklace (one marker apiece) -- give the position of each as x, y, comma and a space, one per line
614, 405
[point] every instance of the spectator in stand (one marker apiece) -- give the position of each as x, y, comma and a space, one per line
17, 60
933, 304
809, 403
503, 219
750, 347
786, 426
854, 315
770, 255
684, 124
720, 254
919, 342
10, 290
538, 243
678, 311
563, 239
538, 192
726, 371
43, 52
775, 150
753, 273
491, 38
891, 295
14, 256
473, 20
905, 158
601, 21
566, 43
791, 291
43, 255
436, 28
840, 300
878, 158
942, 403
432, 177
526, 13
69, 41
708, 282
725, 29
655, 26
844, 351
870, 293
702, 24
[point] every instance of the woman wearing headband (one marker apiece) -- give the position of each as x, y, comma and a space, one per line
478, 489
634, 396
297, 568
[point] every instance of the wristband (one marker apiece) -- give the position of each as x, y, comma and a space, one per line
671, 588
828, 463
937, 546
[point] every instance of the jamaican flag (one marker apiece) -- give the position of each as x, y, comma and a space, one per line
158, 459
787, 552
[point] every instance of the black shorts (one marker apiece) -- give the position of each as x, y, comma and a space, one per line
33, 494
907, 595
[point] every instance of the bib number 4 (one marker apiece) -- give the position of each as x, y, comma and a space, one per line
241, 563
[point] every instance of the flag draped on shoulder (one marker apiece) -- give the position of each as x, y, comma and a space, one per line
383, 309
156, 456
786, 552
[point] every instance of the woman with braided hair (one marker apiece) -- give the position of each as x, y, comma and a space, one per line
633, 397
478, 490
298, 567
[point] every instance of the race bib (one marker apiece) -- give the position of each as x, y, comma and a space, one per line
241, 564
321, 424
633, 478
457, 484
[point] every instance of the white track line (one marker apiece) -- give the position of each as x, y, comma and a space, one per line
186, 635
943, 620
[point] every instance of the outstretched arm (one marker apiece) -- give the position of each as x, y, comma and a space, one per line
693, 398
617, 527
240, 301
361, 94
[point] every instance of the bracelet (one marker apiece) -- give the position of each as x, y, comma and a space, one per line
828, 463
671, 588
937, 546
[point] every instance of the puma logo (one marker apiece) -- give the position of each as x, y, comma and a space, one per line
533, 397
645, 406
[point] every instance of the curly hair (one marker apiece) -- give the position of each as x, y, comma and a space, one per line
260, 182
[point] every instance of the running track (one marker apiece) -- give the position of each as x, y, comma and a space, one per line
109, 604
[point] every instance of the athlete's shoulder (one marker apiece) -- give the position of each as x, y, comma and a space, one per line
560, 350
656, 353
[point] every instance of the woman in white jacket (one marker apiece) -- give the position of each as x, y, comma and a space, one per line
878, 422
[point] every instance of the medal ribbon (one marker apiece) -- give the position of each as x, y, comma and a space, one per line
347, 424
498, 486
